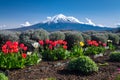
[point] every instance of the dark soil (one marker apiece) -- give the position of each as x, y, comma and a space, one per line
57, 69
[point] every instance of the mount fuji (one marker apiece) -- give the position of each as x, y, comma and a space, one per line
62, 22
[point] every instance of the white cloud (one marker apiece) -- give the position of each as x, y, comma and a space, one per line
116, 25
3, 26
49, 18
26, 24
100, 25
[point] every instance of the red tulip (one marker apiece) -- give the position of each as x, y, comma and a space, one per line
4, 47
47, 41
25, 48
100, 42
41, 42
16, 50
50, 47
24, 55
104, 44
22, 45
64, 42
5, 51
8, 43
54, 44
60, 41
65, 47
15, 43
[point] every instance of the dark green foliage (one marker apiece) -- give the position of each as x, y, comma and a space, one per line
115, 56
40, 34
93, 50
57, 35
114, 37
73, 38
3, 77
83, 64
56, 54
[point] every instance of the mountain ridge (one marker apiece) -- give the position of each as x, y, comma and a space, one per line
62, 22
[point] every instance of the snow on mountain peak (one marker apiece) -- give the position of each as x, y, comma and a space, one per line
62, 18
90, 22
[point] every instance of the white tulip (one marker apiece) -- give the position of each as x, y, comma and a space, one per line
29, 53
35, 45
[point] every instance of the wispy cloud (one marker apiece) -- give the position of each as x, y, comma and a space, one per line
3, 26
27, 23
116, 25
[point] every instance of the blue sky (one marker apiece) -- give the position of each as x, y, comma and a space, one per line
13, 13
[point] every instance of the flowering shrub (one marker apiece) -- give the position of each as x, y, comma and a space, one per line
54, 50
14, 55
94, 47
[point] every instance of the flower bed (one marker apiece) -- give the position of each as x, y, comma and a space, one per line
57, 63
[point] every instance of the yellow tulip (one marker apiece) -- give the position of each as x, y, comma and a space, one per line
82, 44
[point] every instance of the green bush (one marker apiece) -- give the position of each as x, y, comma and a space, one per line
57, 35
86, 37
90, 32
3, 77
83, 64
114, 37
99, 37
73, 38
25, 37
40, 34
115, 56
119, 37
7, 35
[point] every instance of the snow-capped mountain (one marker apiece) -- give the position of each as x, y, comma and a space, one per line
60, 18
62, 22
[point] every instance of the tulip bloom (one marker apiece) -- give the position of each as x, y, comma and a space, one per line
24, 55
65, 47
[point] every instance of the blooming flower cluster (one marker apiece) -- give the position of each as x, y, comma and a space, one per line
95, 43
53, 44
14, 47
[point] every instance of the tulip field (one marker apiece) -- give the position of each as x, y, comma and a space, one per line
59, 60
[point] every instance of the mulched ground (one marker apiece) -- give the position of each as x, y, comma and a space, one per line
56, 69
